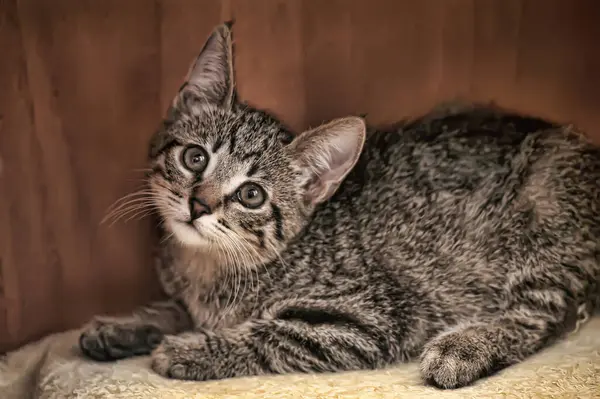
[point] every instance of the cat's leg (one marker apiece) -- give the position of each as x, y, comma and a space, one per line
305, 337
536, 315
110, 338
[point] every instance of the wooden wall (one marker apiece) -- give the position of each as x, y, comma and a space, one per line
83, 83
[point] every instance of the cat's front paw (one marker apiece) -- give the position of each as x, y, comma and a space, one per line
178, 357
457, 358
110, 339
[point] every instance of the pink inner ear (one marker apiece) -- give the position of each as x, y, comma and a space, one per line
210, 79
327, 181
320, 191
330, 152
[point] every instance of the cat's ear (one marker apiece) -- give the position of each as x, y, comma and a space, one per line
210, 79
327, 154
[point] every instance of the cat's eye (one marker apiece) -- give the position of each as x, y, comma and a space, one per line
195, 158
251, 195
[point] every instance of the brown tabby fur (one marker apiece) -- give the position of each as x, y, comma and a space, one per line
469, 240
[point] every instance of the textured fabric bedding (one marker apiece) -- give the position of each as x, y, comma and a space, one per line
53, 368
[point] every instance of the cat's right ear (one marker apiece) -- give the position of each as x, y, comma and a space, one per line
327, 154
210, 80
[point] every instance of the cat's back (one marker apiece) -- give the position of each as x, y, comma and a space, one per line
454, 152
465, 186
477, 154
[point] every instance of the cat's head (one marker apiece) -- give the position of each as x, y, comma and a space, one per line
230, 180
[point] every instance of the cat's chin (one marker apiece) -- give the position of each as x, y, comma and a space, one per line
187, 234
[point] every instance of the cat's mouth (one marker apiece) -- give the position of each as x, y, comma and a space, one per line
190, 225
188, 232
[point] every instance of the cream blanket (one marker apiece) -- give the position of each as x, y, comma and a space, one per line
53, 368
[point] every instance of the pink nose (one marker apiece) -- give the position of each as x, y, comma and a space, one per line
198, 208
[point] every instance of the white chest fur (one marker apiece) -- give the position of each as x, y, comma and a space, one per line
193, 277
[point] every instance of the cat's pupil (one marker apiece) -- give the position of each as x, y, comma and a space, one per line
197, 158
252, 193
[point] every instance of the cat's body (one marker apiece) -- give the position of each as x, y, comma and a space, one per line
435, 213
470, 239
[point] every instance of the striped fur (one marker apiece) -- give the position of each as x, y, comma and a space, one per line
469, 240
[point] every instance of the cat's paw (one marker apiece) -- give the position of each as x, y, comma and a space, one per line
178, 357
110, 339
457, 358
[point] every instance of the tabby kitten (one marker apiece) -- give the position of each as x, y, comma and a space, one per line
470, 240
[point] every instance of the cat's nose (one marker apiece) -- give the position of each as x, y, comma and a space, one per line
198, 208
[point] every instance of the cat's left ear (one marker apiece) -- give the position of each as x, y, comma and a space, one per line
210, 80
327, 154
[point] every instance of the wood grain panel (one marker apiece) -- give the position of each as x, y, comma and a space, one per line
91, 71
84, 83
328, 68
269, 55
184, 26
19, 225
557, 51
